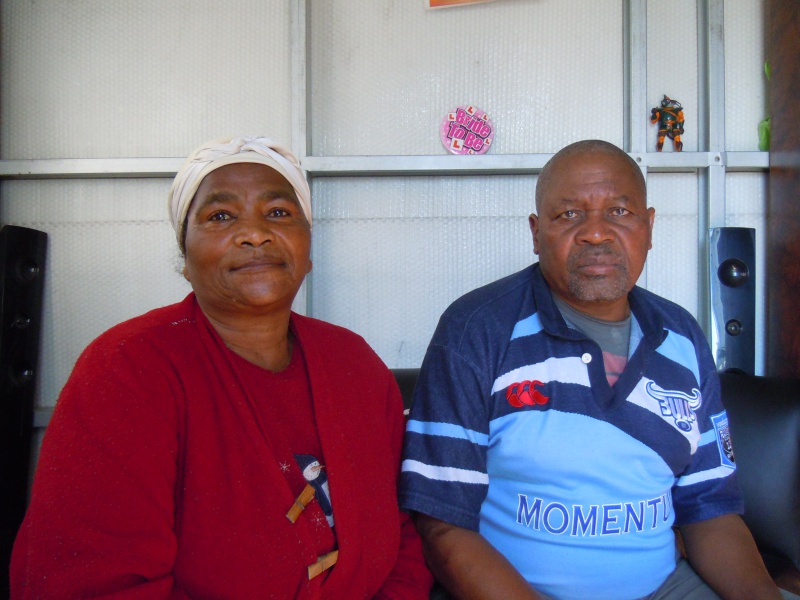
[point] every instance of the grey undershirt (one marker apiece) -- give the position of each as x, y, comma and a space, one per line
613, 337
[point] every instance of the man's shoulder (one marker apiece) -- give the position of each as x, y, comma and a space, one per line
670, 312
658, 315
501, 292
486, 314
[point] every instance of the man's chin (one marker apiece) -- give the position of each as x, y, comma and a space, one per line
599, 289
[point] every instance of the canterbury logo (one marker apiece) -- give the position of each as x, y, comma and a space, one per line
525, 393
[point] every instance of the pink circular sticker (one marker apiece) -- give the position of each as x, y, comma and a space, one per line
467, 130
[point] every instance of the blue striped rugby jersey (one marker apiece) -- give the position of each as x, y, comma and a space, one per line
515, 432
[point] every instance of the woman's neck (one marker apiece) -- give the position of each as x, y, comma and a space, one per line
265, 341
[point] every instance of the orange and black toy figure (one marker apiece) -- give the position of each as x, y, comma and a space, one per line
669, 117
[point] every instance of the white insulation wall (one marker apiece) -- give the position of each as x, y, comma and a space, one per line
92, 79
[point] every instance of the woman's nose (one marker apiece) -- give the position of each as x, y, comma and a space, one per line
254, 231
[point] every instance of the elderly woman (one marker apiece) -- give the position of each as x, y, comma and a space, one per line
224, 446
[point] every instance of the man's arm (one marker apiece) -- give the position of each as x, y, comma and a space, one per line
723, 553
468, 565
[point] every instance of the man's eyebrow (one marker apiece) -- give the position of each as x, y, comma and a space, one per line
623, 199
563, 202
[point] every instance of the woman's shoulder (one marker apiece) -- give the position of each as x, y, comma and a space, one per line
303, 324
163, 326
335, 343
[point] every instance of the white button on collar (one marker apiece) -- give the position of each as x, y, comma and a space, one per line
586, 358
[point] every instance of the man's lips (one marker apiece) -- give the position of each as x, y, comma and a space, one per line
597, 263
597, 268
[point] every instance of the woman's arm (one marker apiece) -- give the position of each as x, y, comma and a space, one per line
101, 517
410, 578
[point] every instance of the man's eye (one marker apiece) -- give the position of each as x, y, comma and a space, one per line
569, 214
219, 216
278, 212
619, 211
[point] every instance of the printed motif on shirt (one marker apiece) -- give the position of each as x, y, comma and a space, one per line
596, 519
314, 474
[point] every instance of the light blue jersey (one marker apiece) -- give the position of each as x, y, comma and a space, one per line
515, 432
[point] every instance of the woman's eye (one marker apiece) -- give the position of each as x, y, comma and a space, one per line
278, 212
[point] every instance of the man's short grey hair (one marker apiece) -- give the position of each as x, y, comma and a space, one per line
585, 147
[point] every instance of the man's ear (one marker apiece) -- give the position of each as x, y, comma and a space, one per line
652, 215
533, 223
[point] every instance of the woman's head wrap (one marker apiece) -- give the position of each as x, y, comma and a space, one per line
219, 153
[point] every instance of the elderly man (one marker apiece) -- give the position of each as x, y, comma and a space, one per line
565, 420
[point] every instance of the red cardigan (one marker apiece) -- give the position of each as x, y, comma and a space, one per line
155, 479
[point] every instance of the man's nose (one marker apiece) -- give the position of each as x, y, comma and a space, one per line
595, 229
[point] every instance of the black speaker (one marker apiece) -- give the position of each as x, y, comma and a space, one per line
732, 261
22, 256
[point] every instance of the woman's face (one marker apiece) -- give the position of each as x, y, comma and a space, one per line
248, 243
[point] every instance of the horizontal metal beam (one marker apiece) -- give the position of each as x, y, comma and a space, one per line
450, 164
82, 168
375, 166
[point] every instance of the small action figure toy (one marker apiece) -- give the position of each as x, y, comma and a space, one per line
670, 122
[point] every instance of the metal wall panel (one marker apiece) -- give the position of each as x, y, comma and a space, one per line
96, 80
673, 263
386, 72
99, 79
746, 98
112, 255
672, 66
391, 254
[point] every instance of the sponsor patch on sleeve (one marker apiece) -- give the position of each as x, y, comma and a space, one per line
720, 422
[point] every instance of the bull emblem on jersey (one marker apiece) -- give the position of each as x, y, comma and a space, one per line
678, 405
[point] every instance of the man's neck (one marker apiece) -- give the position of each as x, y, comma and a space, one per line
612, 312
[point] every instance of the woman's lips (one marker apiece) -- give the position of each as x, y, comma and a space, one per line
258, 264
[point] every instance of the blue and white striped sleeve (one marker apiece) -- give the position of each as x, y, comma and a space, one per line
708, 488
443, 471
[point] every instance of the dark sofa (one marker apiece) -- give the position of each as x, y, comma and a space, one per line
764, 419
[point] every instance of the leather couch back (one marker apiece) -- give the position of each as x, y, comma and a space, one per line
764, 418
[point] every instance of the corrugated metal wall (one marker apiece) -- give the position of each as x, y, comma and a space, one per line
90, 80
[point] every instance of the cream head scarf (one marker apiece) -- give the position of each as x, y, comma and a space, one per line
219, 153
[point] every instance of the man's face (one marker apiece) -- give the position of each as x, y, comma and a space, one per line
592, 233
247, 241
